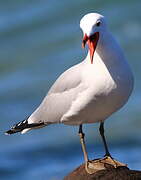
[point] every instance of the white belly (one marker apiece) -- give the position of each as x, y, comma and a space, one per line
107, 91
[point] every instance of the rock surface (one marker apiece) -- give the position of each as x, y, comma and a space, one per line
109, 172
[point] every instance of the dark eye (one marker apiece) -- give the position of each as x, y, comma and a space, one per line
98, 23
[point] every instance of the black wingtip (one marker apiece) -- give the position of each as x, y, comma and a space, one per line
9, 132
12, 131
19, 127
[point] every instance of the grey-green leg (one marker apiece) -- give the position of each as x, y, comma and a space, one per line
101, 130
82, 141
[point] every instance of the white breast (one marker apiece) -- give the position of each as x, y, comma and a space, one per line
108, 84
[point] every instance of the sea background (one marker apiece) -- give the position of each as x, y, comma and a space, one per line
39, 40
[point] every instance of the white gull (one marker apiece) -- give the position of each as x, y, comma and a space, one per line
90, 91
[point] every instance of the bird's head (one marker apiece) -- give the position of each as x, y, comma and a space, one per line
92, 25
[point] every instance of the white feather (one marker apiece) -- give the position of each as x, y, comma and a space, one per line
89, 93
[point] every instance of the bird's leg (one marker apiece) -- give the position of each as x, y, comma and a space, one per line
89, 167
82, 135
101, 130
107, 155
93, 166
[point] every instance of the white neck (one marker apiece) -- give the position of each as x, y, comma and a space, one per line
107, 49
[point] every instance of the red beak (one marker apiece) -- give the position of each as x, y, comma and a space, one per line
92, 43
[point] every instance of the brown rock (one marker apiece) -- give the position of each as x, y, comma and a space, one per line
109, 172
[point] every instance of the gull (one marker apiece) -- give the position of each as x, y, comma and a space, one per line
90, 91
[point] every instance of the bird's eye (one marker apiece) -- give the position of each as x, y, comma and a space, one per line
98, 23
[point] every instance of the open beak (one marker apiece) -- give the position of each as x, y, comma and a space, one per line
92, 43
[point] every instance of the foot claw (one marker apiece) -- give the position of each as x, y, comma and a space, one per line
94, 166
100, 164
113, 162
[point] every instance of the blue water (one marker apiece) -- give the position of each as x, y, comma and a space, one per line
38, 41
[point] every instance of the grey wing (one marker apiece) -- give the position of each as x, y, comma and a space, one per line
59, 98
67, 81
